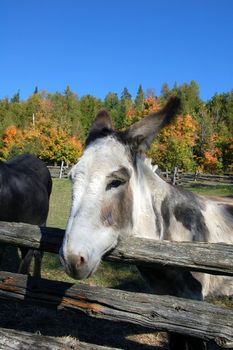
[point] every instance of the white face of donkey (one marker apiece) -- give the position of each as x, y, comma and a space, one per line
104, 183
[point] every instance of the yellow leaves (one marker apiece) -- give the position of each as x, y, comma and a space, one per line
8, 140
151, 104
45, 139
9, 132
174, 144
183, 127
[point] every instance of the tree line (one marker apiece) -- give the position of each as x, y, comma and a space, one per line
54, 126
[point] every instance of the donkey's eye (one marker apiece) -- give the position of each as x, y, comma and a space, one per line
114, 184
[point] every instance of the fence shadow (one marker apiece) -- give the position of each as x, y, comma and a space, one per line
9, 258
54, 322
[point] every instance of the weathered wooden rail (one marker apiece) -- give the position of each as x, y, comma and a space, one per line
15, 340
165, 313
202, 257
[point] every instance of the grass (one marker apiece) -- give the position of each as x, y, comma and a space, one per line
214, 190
59, 203
109, 274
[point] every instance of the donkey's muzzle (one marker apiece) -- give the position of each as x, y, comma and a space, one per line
76, 265
76, 262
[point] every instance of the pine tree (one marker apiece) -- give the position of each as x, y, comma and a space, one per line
16, 98
126, 95
111, 101
36, 90
139, 100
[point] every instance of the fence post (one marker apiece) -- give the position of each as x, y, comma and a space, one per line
174, 176
61, 169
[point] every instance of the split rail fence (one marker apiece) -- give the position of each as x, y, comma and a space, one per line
164, 313
178, 177
175, 177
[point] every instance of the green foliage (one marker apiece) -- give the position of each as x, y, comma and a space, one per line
89, 107
139, 100
211, 151
189, 94
16, 98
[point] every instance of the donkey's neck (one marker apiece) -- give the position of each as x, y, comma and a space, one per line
149, 192
165, 212
162, 211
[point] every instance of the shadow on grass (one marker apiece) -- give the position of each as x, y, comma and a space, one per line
61, 323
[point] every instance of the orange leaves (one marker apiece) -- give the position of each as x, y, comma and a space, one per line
150, 105
211, 161
174, 145
183, 127
8, 140
9, 132
46, 139
56, 146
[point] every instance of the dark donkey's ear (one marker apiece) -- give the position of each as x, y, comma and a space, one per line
101, 125
102, 121
141, 134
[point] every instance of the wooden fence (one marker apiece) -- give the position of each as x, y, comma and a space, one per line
59, 171
165, 313
178, 177
175, 177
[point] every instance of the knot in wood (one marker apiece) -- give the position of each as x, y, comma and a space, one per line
153, 314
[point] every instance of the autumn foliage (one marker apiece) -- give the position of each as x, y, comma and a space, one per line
45, 139
174, 145
54, 126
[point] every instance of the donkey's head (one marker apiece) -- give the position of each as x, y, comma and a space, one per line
106, 199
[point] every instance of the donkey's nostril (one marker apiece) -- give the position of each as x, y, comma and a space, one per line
76, 264
80, 261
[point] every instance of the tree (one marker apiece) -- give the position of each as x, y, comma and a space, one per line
124, 105
139, 100
89, 106
66, 111
166, 93
111, 101
47, 140
31, 106
112, 104
126, 96
188, 93
174, 144
16, 98
36, 90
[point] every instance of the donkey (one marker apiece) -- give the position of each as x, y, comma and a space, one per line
25, 188
116, 192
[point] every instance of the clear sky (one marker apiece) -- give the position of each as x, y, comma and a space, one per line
101, 46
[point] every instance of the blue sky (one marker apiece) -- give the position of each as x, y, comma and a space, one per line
101, 46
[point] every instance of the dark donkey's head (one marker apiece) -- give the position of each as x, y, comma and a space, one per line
109, 190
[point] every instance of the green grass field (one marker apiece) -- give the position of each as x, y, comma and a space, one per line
108, 274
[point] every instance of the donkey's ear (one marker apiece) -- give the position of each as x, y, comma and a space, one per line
101, 126
141, 134
102, 122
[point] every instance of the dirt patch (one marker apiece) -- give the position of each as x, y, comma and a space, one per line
221, 199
